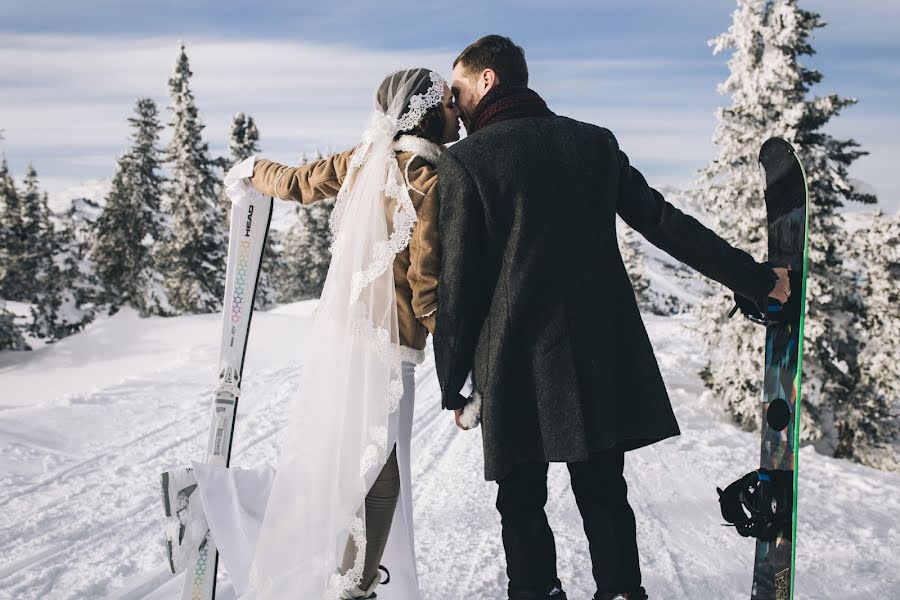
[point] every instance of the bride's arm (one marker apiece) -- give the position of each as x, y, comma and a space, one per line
425, 254
310, 183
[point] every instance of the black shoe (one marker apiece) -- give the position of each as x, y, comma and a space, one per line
555, 592
358, 593
639, 594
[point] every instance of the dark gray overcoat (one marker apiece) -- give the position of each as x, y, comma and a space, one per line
534, 298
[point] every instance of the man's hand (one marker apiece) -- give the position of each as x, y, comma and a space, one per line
458, 413
782, 289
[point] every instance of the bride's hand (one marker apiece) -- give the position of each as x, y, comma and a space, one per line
458, 413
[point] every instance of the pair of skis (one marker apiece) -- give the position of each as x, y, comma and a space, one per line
246, 245
769, 494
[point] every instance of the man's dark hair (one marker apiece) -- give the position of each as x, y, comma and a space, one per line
497, 53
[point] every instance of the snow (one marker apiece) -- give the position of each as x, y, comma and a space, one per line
93, 189
88, 423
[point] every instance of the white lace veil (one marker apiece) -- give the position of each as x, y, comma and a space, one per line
335, 442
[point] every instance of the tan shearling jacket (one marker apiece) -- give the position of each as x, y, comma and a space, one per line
416, 268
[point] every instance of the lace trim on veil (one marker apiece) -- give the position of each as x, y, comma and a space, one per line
387, 350
383, 254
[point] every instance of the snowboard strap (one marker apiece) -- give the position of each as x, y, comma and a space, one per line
768, 497
748, 308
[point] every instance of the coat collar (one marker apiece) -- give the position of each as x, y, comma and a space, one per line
424, 148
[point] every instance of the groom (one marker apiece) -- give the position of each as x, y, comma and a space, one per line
535, 304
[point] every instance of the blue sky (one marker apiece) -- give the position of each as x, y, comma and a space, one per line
70, 72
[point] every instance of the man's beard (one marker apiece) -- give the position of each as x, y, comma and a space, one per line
468, 117
466, 121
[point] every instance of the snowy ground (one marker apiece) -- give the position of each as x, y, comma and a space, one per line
87, 424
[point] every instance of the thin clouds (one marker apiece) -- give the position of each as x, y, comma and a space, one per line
73, 93
65, 98
70, 93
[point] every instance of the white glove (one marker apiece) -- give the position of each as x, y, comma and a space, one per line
236, 187
471, 414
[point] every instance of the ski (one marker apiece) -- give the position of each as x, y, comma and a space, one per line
246, 244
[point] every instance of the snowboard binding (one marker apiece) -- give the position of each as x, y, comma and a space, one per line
768, 497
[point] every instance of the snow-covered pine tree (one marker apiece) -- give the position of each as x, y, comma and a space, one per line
58, 305
868, 424
33, 233
652, 300
306, 254
768, 86
10, 336
131, 228
244, 139
195, 249
15, 280
633, 257
73, 232
244, 143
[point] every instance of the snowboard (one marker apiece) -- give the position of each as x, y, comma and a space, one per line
246, 245
787, 216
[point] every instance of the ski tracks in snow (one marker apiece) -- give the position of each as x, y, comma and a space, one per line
91, 523
82, 517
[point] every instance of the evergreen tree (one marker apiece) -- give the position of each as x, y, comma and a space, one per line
633, 257
306, 251
35, 232
10, 255
15, 280
61, 302
650, 299
244, 140
868, 424
131, 228
195, 250
10, 335
768, 86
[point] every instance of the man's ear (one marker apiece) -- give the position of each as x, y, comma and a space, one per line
488, 79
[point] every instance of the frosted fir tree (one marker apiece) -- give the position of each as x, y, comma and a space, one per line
61, 303
654, 300
73, 233
130, 231
633, 257
306, 254
305, 250
768, 87
194, 251
10, 254
34, 238
244, 140
10, 335
868, 424
15, 280
244, 143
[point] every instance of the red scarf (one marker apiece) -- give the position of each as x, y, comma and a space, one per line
506, 102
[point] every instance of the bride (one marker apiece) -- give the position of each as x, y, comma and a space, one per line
340, 501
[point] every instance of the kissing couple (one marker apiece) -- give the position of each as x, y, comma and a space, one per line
503, 247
